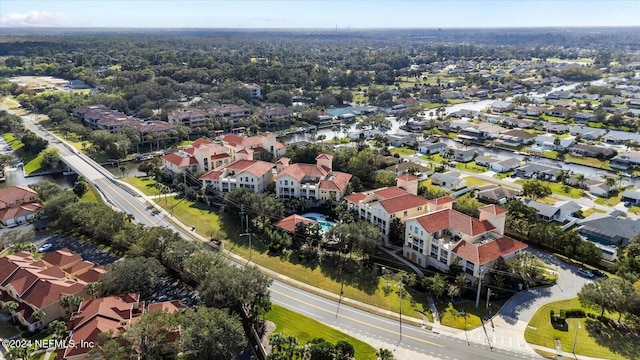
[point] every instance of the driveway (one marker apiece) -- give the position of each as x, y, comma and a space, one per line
509, 324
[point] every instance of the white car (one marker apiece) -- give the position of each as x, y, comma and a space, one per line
44, 248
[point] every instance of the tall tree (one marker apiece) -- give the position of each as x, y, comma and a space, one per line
211, 334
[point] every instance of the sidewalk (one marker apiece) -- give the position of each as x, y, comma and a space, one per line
503, 334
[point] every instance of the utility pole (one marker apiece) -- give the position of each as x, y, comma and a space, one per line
247, 233
479, 287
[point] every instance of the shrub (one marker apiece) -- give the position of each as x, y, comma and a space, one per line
575, 313
563, 315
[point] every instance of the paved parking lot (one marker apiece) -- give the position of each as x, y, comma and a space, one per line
90, 252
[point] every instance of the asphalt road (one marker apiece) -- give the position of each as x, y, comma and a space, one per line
416, 343
413, 343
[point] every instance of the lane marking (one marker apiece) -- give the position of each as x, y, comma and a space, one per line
144, 214
359, 321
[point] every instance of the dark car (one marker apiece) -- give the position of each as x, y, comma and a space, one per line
586, 273
599, 273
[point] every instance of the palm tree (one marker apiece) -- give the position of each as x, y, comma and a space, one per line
384, 354
580, 179
18, 352
461, 281
11, 307
92, 289
437, 285
453, 290
69, 302
58, 328
38, 314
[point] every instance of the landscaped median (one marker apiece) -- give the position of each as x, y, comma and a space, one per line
591, 338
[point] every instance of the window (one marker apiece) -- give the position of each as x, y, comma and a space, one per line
405, 214
286, 182
410, 227
434, 251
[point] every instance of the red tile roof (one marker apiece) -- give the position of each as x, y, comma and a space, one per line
489, 251
165, 306
299, 171
16, 195
335, 181
324, 156
390, 192
46, 293
289, 223
211, 175
355, 198
493, 209
92, 275
180, 161
451, 219
256, 168
407, 177
441, 200
61, 258
402, 203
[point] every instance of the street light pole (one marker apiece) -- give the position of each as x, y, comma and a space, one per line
575, 337
341, 281
464, 315
479, 286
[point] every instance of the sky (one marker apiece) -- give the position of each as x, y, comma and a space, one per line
318, 13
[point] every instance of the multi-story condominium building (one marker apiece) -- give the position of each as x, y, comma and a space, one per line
311, 181
444, 236
244, 172
382, 205
201, 155
39, 284
264, 146
192, 118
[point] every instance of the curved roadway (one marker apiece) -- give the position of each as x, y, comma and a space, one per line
408, 342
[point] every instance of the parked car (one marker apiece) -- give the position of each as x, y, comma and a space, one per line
599, 273
586, 273
627, 204
44, 248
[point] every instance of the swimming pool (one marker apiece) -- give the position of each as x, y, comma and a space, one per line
321, 220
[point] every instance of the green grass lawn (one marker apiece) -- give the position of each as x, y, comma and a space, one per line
304, 329
450, 314
608, 344
145, 184
474, 181
503, 175
428, 105
91, 196
611, 201
359, 284
7, 330
402, 151
558, 188
427, 183
32, 162
587, 161
550, 154
74, 140
591, 211
471, 167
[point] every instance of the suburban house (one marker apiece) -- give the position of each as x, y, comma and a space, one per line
481, 131
559, 95
18, 205
560, 212
621, 137
559, 111
546, 142
538, 171
311, 181
535, 110
407, 166
463, 156
516, 137
495, 194
191, 118
631, 196
399, 140
449, 180
245, 172
608, 233
381, 206
626, 160
444, 236
501, 106
289, 223
504, 165
555, 128
463, 113
485, 160
201, 155
39, 284
102, 315
586, 132
601, 189
584, 117
264, 146
594, 151
429, 148
518, 123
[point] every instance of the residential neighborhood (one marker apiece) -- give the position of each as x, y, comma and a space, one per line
255, 195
